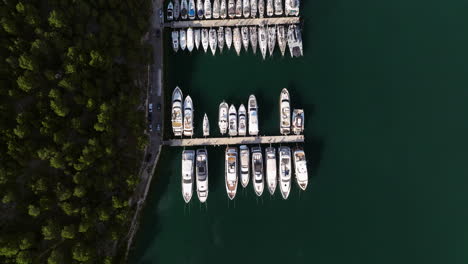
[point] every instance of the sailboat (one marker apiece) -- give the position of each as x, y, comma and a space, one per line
191, 9
175, 40
188, 117
204, 39
244, 165
216, 9
261, 8
271, 39
246, 8
285, 171
242, 120
228, 37
170, 11
213, 40
200, 9
253, 8
221, 38
270, 8
207, 8
197, 37
188, 157
183, 39
253, 38
176, 9
183, 9
223, 9
206, 126
262, 40
223, 117
232, 121
239, 8
278, 7
231, 8
190, 42
271, 173
237, 40
201, 173
285, 112
245, 37
281, 36
231, 169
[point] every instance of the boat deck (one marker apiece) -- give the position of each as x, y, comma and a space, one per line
234, 141
209, 23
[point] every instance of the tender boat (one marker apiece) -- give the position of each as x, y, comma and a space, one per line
175, 40
200, 9
183, 39
170, 11
221, 38
239, 8
270, 8
295, 41
223, 117
271, 173
281, 36
231, 172
190, 41
253, 8
285, 171
257, 171
232, 121
237, 40
253, 116
197, 37
291, 7
300, 167
206, 126
216, 9
188, 157
245, 37
244, 165
242, 120
204, 39
253, 38
278, 7
183, 9
261, 8
285, 112
271, 39
176, 9
188, 117
262, 40
207, 8
201, 173
228, 37
246, 8
176, 114
191, 9
298, 121
223, 9
213, 40
231, 8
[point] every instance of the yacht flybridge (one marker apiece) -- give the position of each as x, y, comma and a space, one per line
285, 113
244, 165
271, 173
231, 177
253, 116
300, 167
223, 117
232, 121
242, 121
285, 171
188, 117
188, 157
177, 116
298, 121
202, 174
257, 171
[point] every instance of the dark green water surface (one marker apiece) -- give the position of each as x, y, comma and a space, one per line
385, 89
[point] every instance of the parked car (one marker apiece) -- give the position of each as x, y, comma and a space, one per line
150, 108
161, 16
158, 107
158, 127
150, 127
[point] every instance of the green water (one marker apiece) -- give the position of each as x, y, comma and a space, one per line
384, 85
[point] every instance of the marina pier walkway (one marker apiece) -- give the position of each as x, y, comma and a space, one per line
208, 23
233, 141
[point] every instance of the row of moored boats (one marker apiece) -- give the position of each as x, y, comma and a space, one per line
204, 9
272, 169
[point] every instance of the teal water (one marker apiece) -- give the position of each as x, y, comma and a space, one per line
384, 85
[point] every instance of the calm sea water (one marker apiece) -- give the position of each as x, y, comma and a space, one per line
385, 90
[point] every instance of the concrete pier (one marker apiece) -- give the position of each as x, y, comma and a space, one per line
234, 141
209, 23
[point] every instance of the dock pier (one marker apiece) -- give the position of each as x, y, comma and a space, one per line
189, 142
209, 23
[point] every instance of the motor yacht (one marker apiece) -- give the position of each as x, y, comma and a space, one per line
261, 8
237, 40
200, 9
242, 120
221, 38
208, 10
175, 40
279, 7
204, 39
262, 40
281, 36
183, 39
291, 7
170, 11
270, 8
223, 117
176, 9
191, 9
231, 177
183, 9
246, 8
223, 9
245, 38
231, 8
253, 116
300, 167
239, 8
271, 173
176, 113
285, 112
197, 37
213, 40
253, 38
295, 41
253, 8
271, 39
201, 173
257, 171
244, 165
232, 121
228, 37
188, 157
298, 121
188, 117
285, 171
190, 41
206, 126
216, 9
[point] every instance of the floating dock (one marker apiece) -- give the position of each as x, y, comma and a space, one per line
234, 141
210, 23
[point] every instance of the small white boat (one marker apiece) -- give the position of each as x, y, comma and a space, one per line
183, 9
244, 165
284, 179
190, 41
271, 173
175, 40
231, 8
262, 40
223, 117
176, 9
170, 11
246, 8
213, 40
253, 116
278, 7
291, 7
239, 8
221, 38
232, 121
204, 39
183, 39
242, 120
253, 8
231, 169
223, 9
197, 37
206, 126
188, 117
270, 8
200, 9
245, 38
216, 9
285, 112
271, 39
257, 171
201, 173
237, 40
208, 10
261, 8
176, 114
228, 37
281, 36
188, 157
253, 38
191, 9
295, 41
300, 167
298, 121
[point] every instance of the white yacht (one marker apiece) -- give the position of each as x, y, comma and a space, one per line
201, 173
285, 171
206, 126
239, 8
257, 171
213, 40
221, 38
188, 157
262, 40
242, 120
228, 37
291, 7
300, 167
232, 121
176, 114
285, 112
207, 7
237, 40
245, 38
223, 117
183, 39
253, 38
175, 40
223, 9
191, 9
216, 9
253, 116
183, 9
244, 165
204, 39
188, 117
295, 41
278, 7
270, 8
197, 37
231, 177
176, 9
200, 9
246, 8
271, 39
281, 36
190, 40
298, 121
271, 173
253, 8
261, 8
170, 11
231, 8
